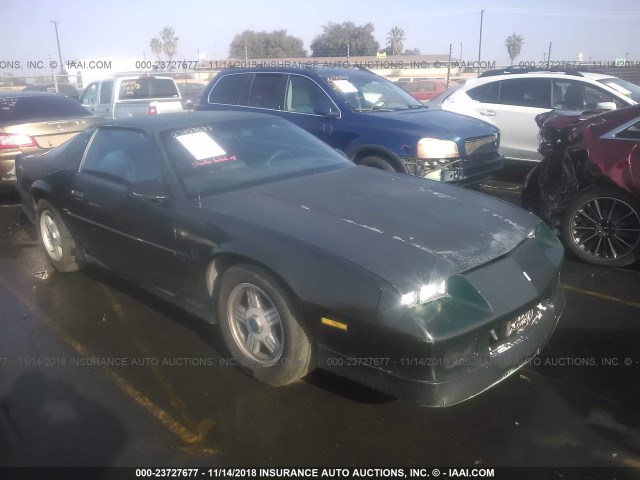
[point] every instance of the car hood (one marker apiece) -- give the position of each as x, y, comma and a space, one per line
403, 229
437, 123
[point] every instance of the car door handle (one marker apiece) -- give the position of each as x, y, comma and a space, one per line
78, 195
488, 113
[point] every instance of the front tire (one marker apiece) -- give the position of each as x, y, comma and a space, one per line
602, 227
260, 328
377, 162
58, 243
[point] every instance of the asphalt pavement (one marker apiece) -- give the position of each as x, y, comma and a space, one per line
95, 372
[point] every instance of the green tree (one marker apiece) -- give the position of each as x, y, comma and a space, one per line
514, 44
342, 39
395, 40
169, 42
156, 47
276, 44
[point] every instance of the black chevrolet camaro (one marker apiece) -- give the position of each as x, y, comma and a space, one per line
416, 288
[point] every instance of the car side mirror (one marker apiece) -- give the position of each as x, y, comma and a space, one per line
152, 191
189, 104
606, 106
326, 110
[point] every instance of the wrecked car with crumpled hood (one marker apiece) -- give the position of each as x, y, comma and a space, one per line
587, 187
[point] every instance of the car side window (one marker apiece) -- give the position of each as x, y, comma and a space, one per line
632, 132
303, 94
594, 95
487, 93
267, 91
123, 155
227, 90
90, 95
526, 92
106, 91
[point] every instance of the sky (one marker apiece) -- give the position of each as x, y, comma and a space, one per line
118, 29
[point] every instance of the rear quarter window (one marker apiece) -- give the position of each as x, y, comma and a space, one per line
228, 88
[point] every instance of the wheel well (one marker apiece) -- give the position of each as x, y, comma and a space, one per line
223, 262
397, 164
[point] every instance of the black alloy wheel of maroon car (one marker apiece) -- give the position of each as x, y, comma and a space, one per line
602, 227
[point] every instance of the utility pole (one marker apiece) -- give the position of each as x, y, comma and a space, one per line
449, 64
549, 57
480, 40
460, 51
55, 24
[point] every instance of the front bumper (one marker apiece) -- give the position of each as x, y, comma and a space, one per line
459, 172
403, 377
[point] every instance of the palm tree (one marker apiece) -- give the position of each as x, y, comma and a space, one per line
514, 44
156, 47
395, 40
169, 42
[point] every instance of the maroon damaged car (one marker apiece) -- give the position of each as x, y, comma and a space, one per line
588, 185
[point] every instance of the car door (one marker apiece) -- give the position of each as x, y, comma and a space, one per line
129, 233
303, 98
89, 98
512, 105
105, 99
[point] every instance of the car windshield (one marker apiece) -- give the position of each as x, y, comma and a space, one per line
442, 96
217, 157
622, 86
366, 92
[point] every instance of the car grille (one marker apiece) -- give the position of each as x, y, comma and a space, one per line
480, 145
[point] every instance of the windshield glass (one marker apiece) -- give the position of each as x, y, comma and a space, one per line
366, 92
147, 87
442, 96
213, 158
622, 86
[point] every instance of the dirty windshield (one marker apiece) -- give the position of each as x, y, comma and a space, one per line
237, 154
366, 92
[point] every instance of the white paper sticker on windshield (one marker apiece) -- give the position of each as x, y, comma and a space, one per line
345, 86
201, 145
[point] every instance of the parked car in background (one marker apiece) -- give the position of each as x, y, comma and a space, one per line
588, 185
33, 122
305, 260
64, 88
424, 90
511, 101
190, 92
373, 121
123, 96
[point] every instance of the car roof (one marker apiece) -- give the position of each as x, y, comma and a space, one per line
30, 93
168, 121
546, 74
563, 75
318, 70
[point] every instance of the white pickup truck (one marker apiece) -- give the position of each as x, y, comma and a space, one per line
125, 96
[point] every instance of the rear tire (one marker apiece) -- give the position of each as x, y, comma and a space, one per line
260, 328
58, 243
602, 227
377, 162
